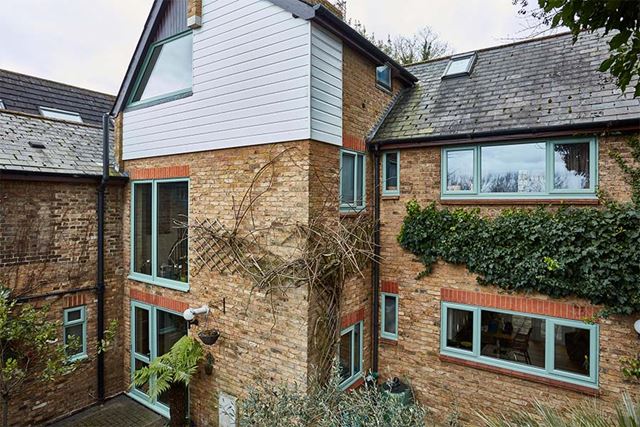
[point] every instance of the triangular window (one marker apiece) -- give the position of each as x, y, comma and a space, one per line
168, 70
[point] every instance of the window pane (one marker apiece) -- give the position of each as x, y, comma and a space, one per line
457, 66
572, 349
459, 329
348, 175
518, 168
571, 166
173, 205
391, 171
73, 337
513, 337
141, 332
390, 321
169, 69
383, 75
345, 356
171, 328
139, 365
142, 228
460, 170
360, 180
356, 349
73, 315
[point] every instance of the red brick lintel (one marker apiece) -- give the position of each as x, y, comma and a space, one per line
389, 287
158, 300
160, 173
352, 318
519, 303
521, 375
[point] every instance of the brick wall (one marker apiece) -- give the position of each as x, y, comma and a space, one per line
47, 243
443, 385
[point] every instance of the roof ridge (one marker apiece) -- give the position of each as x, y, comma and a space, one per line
495, 47
56, 82
36, 116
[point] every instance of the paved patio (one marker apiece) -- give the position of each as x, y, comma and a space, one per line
119, 411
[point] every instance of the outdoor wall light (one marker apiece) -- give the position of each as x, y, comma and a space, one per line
636, 326
190, 313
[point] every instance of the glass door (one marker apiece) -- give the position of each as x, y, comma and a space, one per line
153, 332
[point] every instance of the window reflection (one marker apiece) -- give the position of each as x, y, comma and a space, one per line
460, 329
572, 349
460, 170
173, 206
516, 168
571, 166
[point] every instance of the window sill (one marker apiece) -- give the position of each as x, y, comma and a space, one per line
78, 358
352, 213
503, 202
176, 286
354, 383
390, 197
385, 89
521, 375
389, 341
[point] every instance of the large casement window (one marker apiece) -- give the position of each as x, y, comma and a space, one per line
350, 354
389, 316
391, 173
352, 180
154, 331
538, 169
559, 349
159, 246
167, 72
75, 332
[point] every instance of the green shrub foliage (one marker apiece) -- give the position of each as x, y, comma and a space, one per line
587, 252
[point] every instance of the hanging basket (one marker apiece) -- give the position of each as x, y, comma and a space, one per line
209, 337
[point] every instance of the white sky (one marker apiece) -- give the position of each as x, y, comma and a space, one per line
88, 43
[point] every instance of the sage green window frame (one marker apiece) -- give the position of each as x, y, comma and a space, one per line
549, 193
550, 323
359, 156
153, 278
171, 96
385, 191
81, 354
133, 392
383, 333
385, 84
356, 375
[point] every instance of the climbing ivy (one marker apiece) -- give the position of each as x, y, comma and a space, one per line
592, 253
632, 172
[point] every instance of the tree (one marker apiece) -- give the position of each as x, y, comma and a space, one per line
172, 373
618, 17
29, 348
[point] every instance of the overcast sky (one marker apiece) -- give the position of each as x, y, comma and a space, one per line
88, 43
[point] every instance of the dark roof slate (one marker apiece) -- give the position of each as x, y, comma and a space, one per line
529, 85
26, 94
70, 148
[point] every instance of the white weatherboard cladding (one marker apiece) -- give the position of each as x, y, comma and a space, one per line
326, 86
252, 84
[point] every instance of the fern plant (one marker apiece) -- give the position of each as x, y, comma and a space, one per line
172, 372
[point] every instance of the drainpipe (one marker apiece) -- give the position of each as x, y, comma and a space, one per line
375, 271
100, 287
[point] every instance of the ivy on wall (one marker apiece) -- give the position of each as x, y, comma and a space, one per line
590, 253
632, 173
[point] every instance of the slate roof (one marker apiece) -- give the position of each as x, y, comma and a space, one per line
70, 148
20, 92
534, 84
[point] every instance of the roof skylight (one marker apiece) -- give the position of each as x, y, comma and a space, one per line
54, 113
460, 65
2, 107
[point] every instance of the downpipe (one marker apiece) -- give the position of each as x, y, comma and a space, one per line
375, 269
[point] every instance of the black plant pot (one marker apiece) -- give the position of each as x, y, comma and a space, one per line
209, 337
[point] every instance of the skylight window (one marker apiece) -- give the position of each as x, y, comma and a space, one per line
2, 107
460, 65
54, 113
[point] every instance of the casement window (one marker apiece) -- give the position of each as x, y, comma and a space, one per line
383, 76
391, 173
389, 316
538, 169
350, 354
54, 113
460, 65
167, 72
559, 349
159, 245
75, 332
352, 180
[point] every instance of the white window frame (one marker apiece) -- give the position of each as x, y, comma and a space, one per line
384, 334
356, 375
81, 354
466, 71
359, 157
72, 115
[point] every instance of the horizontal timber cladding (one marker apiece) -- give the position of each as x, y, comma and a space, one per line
251, 83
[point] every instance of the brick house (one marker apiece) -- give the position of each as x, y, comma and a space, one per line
50, 169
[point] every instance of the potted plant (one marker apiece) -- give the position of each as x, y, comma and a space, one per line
209, 336
172, 373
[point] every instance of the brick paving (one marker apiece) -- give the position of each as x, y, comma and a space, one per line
120, 411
